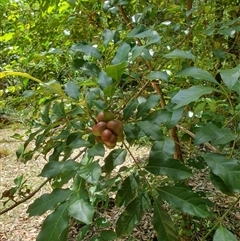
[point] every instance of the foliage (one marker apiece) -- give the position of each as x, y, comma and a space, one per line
86, 57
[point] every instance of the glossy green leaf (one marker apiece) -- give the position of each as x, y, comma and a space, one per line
185, 200
210, 132
90, 172
136, 52
197, 73
97, 150
222, 234
227, 169
175, 116
220, 185
177, 53
185, 97
58, 109
162, 224
86, 49
129, 109
72, 90
122, 54
82, 211
116, 71
75, 141
158, 75
171, 167
139, 32
230, 76
55, 224
132, 132
54, 168
152, 130
145, 107
104, 80
128, 190
130, 216
83, 231
108, 36
114, 158
88, 68
108, 235
48, 201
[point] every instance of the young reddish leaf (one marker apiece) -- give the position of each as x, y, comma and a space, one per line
185, 200
162, 224
56, 223
48, 201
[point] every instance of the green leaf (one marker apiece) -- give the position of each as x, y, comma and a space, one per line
161, 75
152, 130
54, 168
197, 73
97, 150
86, 49
177, 53
104, 80
161, 161
48, 201
58, 109
116, 71
210, 132
122, 54
72, 90
176, 116
75, 141
136, 52
130, 216
227, 169
139, 32
222, 234
129, 109
230, 76
145, 107
128, 190
88, 68
185, 200
114, 158
220, 185
184, 97
162, 224
108, 36
83, 231
55, 224
90, 172
132, 131
82, 211
108, 235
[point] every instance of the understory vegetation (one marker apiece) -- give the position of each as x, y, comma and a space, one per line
91, 80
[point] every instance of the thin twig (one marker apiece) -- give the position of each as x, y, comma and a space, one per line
24, 199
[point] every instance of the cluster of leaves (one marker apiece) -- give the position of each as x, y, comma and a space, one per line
113, 72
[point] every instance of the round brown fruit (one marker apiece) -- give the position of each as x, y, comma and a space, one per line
116, 126
108, 137
105, 116
98, 128
110, 146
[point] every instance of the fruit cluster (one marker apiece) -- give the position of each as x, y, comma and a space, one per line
108, 130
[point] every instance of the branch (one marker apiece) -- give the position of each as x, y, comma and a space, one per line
24, 199
156, 87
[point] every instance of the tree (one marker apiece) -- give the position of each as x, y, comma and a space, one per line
151, 65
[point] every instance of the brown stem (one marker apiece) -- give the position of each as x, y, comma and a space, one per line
24, 199
156, 87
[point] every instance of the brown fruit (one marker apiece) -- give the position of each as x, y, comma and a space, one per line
98, 128
110, 146
120, 138
105, 116
108, 137
116, 126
